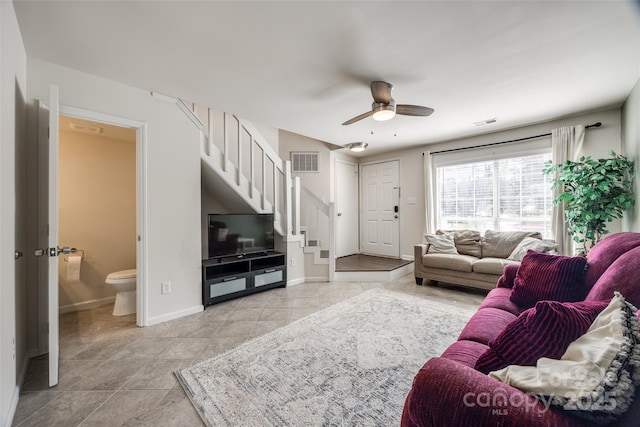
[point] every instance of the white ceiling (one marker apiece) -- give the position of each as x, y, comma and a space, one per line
305, 66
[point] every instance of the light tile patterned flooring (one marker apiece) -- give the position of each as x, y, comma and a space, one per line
115, 374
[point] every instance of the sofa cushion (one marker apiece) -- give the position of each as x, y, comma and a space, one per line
499, 298
531, 243
597, 375
602, 255
440, 244
548, 277
622, 276
467, 242
462, 263
465, 352
545, 330
500, 244
486, 324
492, 265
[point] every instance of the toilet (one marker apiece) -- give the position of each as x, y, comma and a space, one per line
124, 283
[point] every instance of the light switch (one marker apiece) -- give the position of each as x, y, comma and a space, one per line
411, 200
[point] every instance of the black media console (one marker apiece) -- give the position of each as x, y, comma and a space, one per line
232, 277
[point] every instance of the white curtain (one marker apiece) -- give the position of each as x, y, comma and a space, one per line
429, 194
566, 144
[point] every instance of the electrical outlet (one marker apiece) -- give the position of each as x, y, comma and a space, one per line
166, 288
293, 262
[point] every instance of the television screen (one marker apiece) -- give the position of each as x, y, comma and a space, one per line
240, 234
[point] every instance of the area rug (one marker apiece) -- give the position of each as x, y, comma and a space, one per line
351, 364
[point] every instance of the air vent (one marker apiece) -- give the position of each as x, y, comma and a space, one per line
304, 162
81, 127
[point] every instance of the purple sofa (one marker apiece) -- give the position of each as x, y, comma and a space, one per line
449, 391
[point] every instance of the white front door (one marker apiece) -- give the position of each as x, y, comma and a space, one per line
48, 227
346, 186
380, 208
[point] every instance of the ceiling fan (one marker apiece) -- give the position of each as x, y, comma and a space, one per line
384, 106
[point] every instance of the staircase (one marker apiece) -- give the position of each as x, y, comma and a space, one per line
240, 166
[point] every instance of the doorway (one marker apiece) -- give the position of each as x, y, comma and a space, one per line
380, 189
96, 212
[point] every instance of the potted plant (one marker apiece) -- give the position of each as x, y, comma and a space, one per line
594, 193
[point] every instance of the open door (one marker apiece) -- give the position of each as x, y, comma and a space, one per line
48, 227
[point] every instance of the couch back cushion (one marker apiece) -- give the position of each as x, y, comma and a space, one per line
603, 254
500, 244
467, 242
622, 276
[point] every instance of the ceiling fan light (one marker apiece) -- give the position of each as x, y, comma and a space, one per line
382, 112
357, 146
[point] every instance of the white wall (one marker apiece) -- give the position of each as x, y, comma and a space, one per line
173, 179
13, 290
598, 142
631, 148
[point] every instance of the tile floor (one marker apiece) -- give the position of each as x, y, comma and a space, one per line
115, 374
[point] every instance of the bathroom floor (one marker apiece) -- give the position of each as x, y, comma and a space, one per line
113, 373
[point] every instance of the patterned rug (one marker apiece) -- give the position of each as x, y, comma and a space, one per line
351, 364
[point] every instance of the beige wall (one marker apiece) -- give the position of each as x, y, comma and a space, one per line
597, 143
97, 213
631, 148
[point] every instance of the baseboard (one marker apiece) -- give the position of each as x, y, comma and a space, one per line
408, 257
84, 305
294, 282
174, 315
316, 279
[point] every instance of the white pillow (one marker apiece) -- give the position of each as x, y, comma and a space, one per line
440, 244
531, 243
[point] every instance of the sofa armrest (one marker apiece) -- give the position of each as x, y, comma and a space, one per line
508, 274
446, 392
419, 251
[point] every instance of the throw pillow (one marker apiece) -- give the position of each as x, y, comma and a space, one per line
467, 242
440, 244
597, 375
548, 277
499, 244
531, 243
545, 330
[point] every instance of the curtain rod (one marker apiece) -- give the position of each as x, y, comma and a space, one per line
595, 125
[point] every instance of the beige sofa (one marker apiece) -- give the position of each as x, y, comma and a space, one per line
466, 258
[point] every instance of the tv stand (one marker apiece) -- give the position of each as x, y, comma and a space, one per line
236, 276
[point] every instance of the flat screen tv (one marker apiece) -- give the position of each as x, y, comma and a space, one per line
240, 234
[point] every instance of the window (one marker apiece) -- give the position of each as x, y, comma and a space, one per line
503, 194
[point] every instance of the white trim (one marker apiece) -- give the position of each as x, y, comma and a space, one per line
142, 312
316, 279
84, 305
297, 281
175, 315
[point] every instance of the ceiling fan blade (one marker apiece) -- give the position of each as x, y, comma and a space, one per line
413, 110
357, 118
381, 92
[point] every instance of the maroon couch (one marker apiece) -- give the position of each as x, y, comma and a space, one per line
448, 391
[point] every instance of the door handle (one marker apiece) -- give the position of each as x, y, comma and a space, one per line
51, 252
339, 213
18, 254
395, 216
